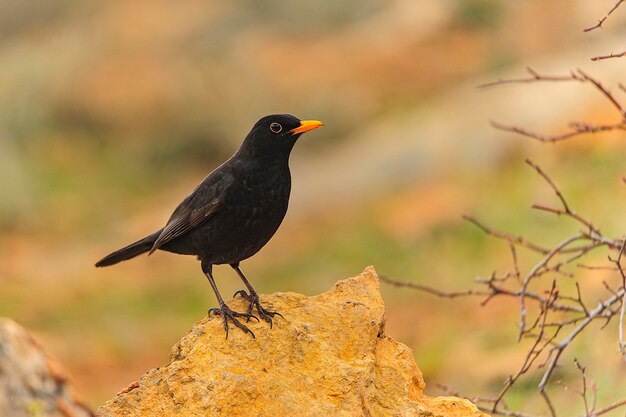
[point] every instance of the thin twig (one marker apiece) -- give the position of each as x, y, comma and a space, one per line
534, 77
601, 21
608, 56
604, 91
578, 130
557, 350
493, 290
566, 209
430, 290
611, 407
551, 317
575, 128
618, 264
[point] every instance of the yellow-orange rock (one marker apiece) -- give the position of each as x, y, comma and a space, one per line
328, 357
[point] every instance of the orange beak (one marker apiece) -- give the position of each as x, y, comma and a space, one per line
305, 126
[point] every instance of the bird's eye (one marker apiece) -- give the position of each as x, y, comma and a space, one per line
275, 127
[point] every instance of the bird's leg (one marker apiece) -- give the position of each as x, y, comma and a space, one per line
223, 309
253, 298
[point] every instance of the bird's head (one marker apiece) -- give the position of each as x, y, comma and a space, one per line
276, 134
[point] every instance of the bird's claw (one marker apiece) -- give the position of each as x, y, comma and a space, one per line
254, 301
243, 294
267, 315
227, 314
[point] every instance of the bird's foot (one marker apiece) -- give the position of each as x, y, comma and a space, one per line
227, 314
253, 299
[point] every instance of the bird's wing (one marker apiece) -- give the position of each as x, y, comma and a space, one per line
206, 200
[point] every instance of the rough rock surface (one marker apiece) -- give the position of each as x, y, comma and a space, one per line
328, 357
31, 383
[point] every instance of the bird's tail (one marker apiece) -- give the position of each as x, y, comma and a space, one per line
130, 251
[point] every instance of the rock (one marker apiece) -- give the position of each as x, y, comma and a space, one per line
328, 357
31, 383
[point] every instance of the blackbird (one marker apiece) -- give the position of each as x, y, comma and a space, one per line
234, 211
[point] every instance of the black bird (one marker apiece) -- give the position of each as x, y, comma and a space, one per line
234, 211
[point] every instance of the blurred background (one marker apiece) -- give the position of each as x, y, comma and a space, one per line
111, 112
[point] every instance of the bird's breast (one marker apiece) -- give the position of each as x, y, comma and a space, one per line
250, 217
265, 194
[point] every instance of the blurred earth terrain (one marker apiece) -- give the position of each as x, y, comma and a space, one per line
111, 112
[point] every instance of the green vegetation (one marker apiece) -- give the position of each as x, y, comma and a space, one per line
478, 14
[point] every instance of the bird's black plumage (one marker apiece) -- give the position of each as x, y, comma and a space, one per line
234, 211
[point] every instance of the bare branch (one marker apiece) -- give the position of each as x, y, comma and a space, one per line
583, 390
596, 268
604, 91
557, 350
430, 290
514, 240
578, 129
611, 407
622, 313
533, 273
551, 317
535, 350
566, 209
601, 21
618, 264
550, 182
493, 290
575, 128
534, 77
608, 56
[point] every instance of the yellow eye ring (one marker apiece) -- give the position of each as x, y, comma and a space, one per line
276, 127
